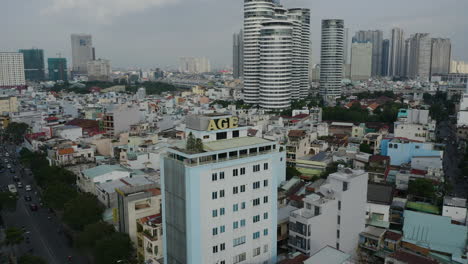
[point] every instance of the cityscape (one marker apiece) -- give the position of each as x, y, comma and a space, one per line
315, 142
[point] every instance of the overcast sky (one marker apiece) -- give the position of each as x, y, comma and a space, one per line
155, 33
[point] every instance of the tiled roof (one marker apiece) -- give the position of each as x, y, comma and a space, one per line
392, 236
66, 151
296, 133
410, 258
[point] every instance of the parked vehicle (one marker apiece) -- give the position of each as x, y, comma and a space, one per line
12, 188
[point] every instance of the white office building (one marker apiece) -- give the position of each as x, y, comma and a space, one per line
194, 65
361, 61
331, 58
276, 53
11, 69
219, 202
82, 52
333, 216
98, 70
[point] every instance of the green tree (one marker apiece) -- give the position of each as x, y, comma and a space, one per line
8, 201
191, 142
112, 248
292, 172
16, 131
422, 187
93, 233
365, 148
14, 236
82, 210
56, 195
30, 259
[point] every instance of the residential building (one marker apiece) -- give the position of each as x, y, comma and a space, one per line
459, 67
98, 70
8, 104
194, 65
70, 153
333, 216
33, 64
329, 255
456, 209
11, 70
407, 257
441, 56
82, 52
396, 53
219, 199
376, 38
57, 68
361, 61
419, 56
379, 200
276, 53
385, 57
238, 55
298, 145
401, 150
411, 131
89, 178
346, 47
119, 118
331, 58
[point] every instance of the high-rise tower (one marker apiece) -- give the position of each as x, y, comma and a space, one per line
376, 38
396, 53
238, 55
441, 55
33, 64
82, 52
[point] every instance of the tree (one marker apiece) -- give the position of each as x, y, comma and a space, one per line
292, 172
14, 236
112, 248
365, 148
82, 210
422, 187
57, 195
16, 131
30, 259
191, 142
94, 232
8, 201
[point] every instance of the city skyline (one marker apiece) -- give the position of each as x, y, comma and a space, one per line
163, 47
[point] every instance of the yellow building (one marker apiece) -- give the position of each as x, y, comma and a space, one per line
4, 121
8, 104
198, 90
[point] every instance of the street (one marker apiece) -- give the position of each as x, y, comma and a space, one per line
43, 236
452, 159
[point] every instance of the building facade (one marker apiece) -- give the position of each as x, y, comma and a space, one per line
194, 65
11, 69
385, 56
219, 202
376, 38
361, 61
441, 56
82, 52
396, 53
419, 56
33, 64
331, 58
57, 68
98, 70
238, 55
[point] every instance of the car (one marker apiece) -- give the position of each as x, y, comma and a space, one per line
16, 179
19, 185
28, 188
9, 166
7, 154
27, 198
33, 207
12, 188
5, 160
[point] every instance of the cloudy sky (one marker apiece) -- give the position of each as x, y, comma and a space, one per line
155, 33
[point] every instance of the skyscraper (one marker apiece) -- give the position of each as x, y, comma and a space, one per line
361, 61
57, 68
396, 53
419, 57
385, 56
82, 52
238, 55
275, 71
33, 64
194, 65
441, 56
376, 38
219, 199
331, 58
11, 69
346, 53
99, 70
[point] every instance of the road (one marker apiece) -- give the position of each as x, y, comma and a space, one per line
42, 232
451, 160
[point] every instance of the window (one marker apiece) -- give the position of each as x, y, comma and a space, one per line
235, 133
242, 171
221, 193
339, 205
242, 188
222, 247
215, 231
242, 222
235, 190
256, 235
235, 172
265, 215
345, 186
338, 233
256, 202
235, 207
316, 210
338, 246
256, 185
222, 229
265, 166
265, 183
265, 232
308, 206
256, 218
238, 241
243, 205
214, 195
239, 258
221, 211
256, 251
265, 199
221, 135
215, 249
339, 220
215, 213
265, 248
256, 168
235, 224
214, 176
221, 175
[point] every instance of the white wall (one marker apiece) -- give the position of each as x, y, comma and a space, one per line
113, 175
456, 213
379, 209
70, 133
